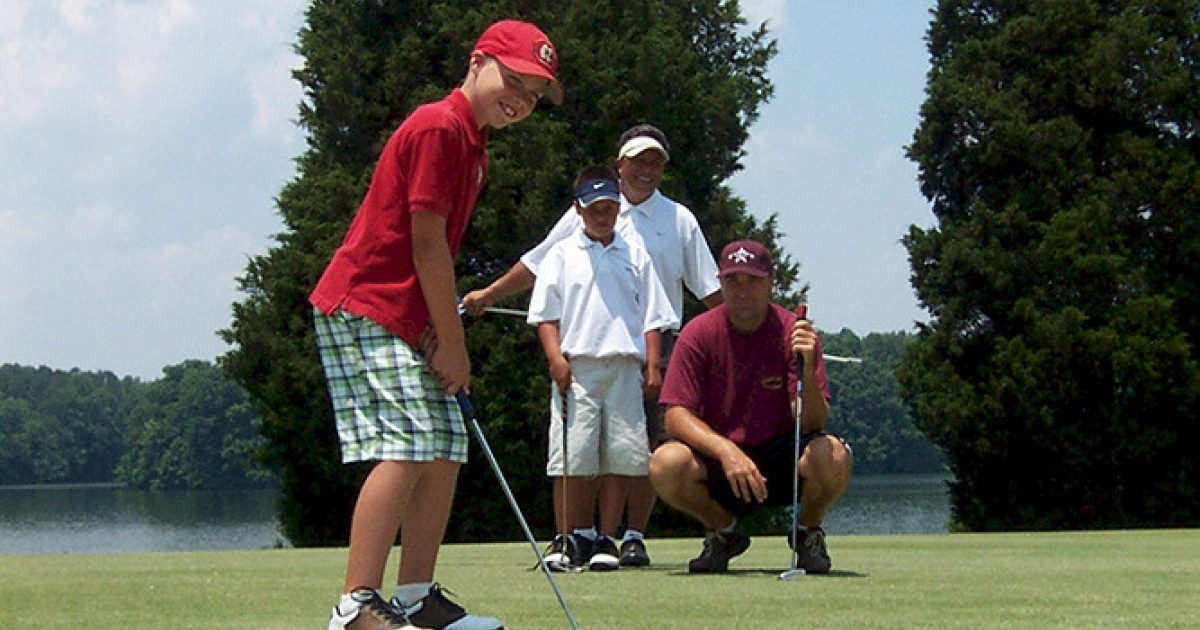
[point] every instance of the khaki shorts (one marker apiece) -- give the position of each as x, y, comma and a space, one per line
386, 401
606, 426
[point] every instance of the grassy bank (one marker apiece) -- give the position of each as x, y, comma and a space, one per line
1129, 579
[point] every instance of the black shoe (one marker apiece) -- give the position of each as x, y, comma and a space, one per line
814, 557
604, 555
719, 549
437, 612
579, 548
633, 553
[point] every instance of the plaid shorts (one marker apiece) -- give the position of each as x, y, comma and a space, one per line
386, 401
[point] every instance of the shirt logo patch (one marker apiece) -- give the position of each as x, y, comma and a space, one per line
772, 382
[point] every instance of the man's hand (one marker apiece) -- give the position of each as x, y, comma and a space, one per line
477, 300
744, 478
804, 342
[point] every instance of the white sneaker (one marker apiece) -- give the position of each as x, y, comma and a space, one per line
437, 612
364, 609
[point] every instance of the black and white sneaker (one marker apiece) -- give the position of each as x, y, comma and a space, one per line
604, 555
558, 556
364, 609
437, 612
633, 553
580, 549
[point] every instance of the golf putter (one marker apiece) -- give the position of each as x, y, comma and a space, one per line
468, 410
796, 571
563, 400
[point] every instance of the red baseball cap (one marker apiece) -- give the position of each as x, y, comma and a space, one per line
523, 47
745, 256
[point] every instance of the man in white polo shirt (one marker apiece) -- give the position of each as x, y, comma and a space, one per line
600, 311
669, 232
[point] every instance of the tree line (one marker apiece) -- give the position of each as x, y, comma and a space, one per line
195, 428
191, 428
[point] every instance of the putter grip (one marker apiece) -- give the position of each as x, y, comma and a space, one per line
464, 403
801, 313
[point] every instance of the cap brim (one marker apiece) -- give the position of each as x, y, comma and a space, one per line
587, 200
554, 91
639, 145
757, 273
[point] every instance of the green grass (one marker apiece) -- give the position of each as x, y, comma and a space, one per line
1126, 579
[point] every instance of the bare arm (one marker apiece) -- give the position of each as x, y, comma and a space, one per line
435, 272
713, 299
652, 381
743, 476
560, 368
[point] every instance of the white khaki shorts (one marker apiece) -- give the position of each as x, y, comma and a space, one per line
606, 424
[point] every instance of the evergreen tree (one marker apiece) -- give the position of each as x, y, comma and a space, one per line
1059, 147
688, 67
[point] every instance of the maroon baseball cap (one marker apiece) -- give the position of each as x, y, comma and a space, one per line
745, 256
523, 47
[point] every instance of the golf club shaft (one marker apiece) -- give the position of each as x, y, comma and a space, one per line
801, 313
468, 410
566, 471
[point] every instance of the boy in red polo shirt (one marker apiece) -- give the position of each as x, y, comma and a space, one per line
389, 335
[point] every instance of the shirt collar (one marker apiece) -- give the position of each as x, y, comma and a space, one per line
645, 207
461, 107
584, 242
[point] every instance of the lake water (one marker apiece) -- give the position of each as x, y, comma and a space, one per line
109, 519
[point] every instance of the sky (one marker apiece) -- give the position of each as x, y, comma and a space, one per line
142, 144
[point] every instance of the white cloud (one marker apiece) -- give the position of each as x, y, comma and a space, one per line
141, 145
98, 223
12, 15
772, 11
888, 158
89, 297
275, 96
769, 146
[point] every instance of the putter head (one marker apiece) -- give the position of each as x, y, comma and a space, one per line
791, 574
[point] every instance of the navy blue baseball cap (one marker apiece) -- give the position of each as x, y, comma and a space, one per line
594, 190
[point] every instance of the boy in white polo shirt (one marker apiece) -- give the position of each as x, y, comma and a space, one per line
600, 310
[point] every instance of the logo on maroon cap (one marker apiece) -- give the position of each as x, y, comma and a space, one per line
745, 256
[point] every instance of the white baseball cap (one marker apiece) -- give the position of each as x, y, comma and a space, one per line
637, 145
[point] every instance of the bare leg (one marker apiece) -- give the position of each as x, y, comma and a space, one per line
679, 478
825, 468
425, 523
382, 502
612, 502
640, 502
581, 511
